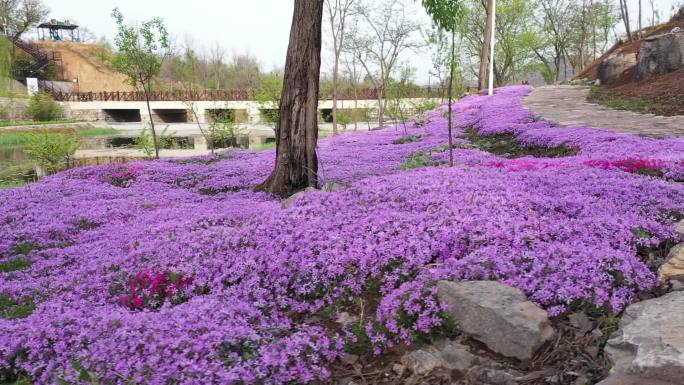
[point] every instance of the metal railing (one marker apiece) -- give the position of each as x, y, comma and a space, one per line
224, 95
40, 58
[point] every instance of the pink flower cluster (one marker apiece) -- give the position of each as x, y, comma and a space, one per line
121, 175
148, 290
633, 165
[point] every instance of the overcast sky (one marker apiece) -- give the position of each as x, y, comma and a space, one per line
260, 27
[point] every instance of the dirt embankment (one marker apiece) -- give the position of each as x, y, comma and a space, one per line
620, 46
660, 94
82, 61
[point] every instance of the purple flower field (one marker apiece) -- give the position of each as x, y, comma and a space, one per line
176, 272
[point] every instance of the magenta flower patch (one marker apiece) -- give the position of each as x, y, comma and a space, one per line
148, 290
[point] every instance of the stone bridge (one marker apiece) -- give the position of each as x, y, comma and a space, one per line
186, 107
243, 111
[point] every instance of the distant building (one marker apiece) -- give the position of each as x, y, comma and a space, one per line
56, 30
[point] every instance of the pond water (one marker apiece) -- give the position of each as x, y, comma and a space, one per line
16, 165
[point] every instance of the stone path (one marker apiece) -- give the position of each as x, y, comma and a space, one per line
568, 106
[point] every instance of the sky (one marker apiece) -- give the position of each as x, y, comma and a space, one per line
260, 27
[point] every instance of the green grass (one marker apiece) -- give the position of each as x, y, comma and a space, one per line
618, 103
507, 146
11, 139
13, 95
11, 309
97, 131
264, 146
18, 139
623, 104
33, 123
15, 264
5, 184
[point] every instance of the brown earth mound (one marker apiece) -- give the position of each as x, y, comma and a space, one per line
82, 61
659, 94
591, 72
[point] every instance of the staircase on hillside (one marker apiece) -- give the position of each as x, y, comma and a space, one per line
40, 58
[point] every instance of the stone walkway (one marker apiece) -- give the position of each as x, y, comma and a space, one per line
567, 106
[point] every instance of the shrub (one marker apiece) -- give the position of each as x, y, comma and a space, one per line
51, 151
425, 106
222, 131
42, 107
145, 142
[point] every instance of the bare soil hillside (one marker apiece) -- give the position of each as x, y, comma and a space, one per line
660, 94
82, 61
591, 72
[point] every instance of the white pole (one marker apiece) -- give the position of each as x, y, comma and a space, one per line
491, 49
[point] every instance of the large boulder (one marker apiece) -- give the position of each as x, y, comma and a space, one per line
674, 267
498, 315
649, 346
660, 54
616, 66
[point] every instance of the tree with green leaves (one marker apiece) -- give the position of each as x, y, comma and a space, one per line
268, 96
52, 152
139, 56
19, 16
446, 15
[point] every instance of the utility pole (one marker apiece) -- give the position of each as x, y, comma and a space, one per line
491, 47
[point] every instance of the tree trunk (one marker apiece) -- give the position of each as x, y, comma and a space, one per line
640, 20
296, 165
484, 56
624, 11
381, 106
356, 109
149, 112
451, 83
334, 94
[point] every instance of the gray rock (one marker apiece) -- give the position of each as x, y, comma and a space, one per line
498, 315
332, 187
287, 203
489, 376
445, 356
679, 228
660, 54
649, 346
615, 66
399, 369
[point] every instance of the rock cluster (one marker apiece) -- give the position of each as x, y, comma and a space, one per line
649, 346
497, 315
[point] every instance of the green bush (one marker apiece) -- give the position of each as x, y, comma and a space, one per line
145, 141
51, 151
42, 107
425, 106
344, 118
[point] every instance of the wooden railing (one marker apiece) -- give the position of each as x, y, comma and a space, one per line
224, 95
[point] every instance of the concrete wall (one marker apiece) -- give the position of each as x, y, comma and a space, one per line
94, 111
